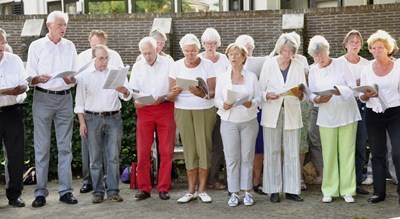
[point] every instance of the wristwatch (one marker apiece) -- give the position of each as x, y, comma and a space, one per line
165, 98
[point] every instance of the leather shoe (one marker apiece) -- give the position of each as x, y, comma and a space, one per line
18, 202
360, 190
294, 197
164, 195
68, 198
275, 198
86, 188
39, 201
141, 195
375, 199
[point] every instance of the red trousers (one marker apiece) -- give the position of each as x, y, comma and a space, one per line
159, 118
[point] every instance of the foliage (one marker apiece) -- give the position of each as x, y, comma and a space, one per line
153, 6
128, 148
107, 7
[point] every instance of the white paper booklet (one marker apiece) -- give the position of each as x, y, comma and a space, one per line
364, 88
116, 78
71, 73
236, 98
144, 99
186, 83
255, 64
324, 92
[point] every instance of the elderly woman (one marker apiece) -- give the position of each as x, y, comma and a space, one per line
337, 120
247, 42
160, 38
281, 119
211, 40
382, 118
352, 44
239, 124
194, 115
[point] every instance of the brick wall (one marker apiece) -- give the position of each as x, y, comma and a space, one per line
126, 30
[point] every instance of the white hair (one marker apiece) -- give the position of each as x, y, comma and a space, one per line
147, 41
286, 39
245, 40
211, 34
190, 39
158, 34
52, 17
296, 36
318, 44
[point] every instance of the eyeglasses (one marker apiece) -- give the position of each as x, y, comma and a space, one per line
103, 58
354, 42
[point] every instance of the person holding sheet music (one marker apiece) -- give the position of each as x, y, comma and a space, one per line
352, 44
52, 101
281, 119
211, 40
96, 37
194, 116
99, 116
150, 77
239, 126
337, 120
383, 109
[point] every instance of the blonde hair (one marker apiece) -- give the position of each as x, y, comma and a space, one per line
242, 49
384, 37
350, 34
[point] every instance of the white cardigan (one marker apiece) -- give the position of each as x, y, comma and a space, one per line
271, 80
224, 82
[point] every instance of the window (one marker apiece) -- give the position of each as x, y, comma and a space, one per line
235, 5
70, 6
106, 7
152, 6
53, 6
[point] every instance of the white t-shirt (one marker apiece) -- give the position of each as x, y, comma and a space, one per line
187, 100
357, 67
221, 65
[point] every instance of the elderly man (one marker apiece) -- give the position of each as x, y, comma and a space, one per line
99, 115
150, 77
12, 129
96, 37
52, 102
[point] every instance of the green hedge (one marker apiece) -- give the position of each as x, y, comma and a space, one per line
128, 149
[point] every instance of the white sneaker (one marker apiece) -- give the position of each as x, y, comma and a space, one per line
234, 200
248, 199
187, 197
327, 199
204, 197
368, 181
348, 198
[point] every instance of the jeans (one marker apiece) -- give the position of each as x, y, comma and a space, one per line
104, 136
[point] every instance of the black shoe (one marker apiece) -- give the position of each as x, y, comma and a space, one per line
39, 201
140, 195
375, 199
164, 195
68, 198
86, 188
275, 198
18, 202
360, 190
294, 197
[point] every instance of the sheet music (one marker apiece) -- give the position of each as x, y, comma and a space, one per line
116, 78
236, 98
144, 99
186, 83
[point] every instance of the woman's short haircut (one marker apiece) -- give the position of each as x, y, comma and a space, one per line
99, 47
286, 39
3, 34
211, 35
245, 40
385, 38
158, 34
242, 49
51, 18
318, 44
98, 33
147, 41
350, 34
189, 39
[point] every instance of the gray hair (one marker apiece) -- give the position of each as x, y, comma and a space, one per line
189, 39
318, 44
244, 40
52, 17
8, 48
3, 32
296, 36
158, 34
147, 41
99, 47
211, 34
286, 39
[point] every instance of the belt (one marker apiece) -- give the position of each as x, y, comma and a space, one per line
4, 109
61, 92
109, 113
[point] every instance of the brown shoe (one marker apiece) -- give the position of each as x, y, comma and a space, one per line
164, 195
141, 195
97, 199
115, 197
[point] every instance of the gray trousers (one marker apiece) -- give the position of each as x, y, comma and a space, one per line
314, 141
239, 140
46, 109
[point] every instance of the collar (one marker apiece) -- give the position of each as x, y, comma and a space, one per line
47, 40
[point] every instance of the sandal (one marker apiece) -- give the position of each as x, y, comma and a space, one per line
217, 186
